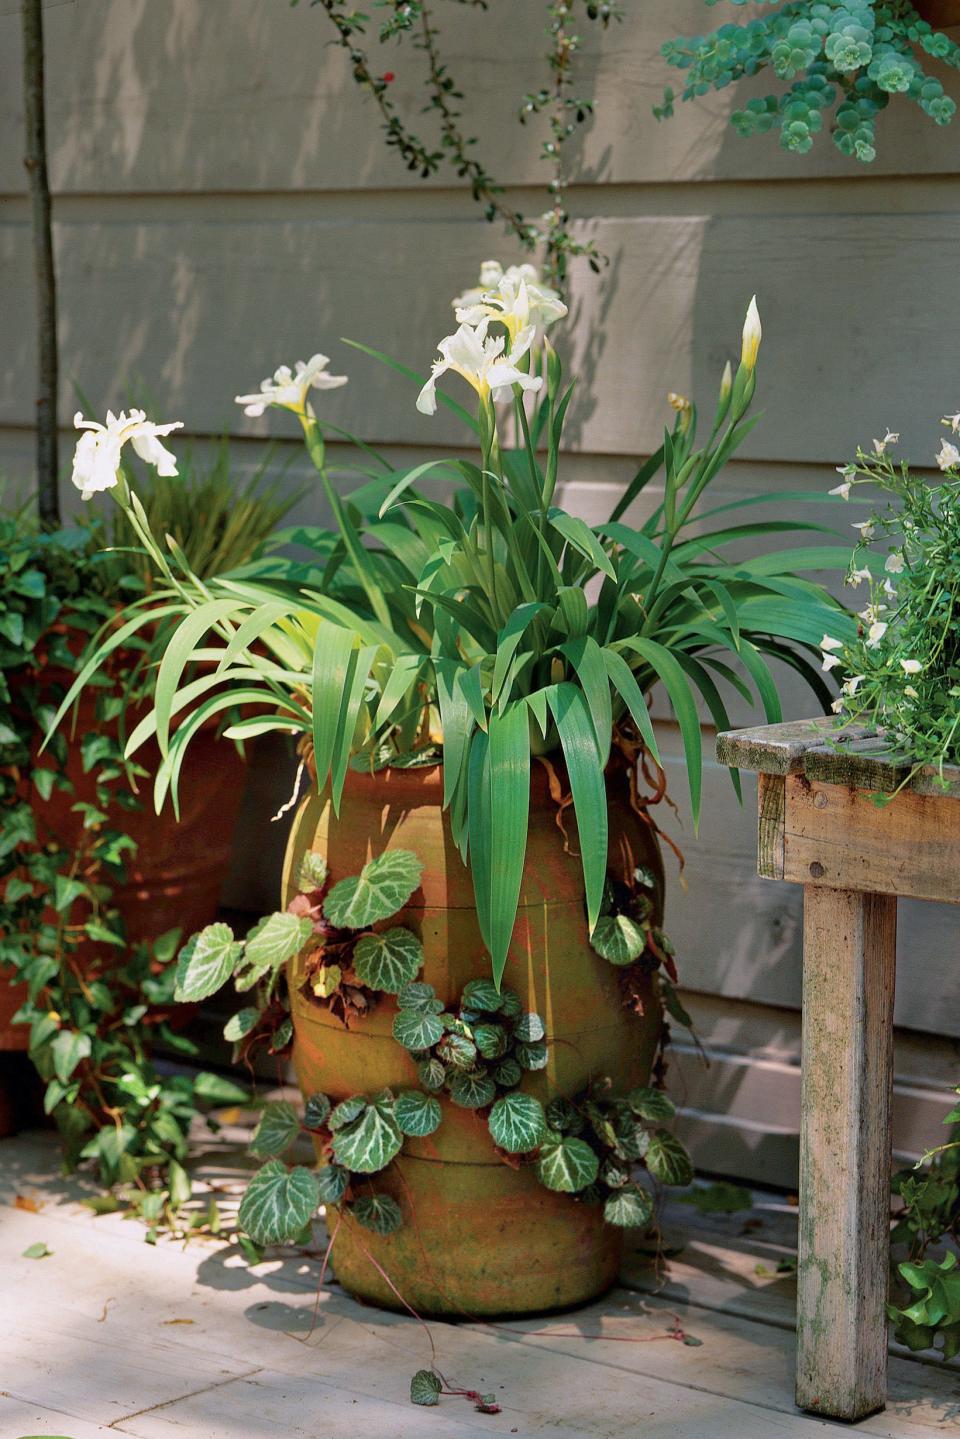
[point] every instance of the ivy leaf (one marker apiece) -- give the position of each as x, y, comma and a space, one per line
417, 1114
69, 1047
419, 996
473, 1091
316, 1111
566, 1163
431, 1073
313, 872
368, 1143
667, 1160
618, 938
517, 1123
425, 1388
215, 1089
388, 961
490, 1039
269, 945
332, 1181
278, 1128
206, 962
278, 1202
563, 1115
482, 994
241, 1024
629, 1208
529, 1028
508, 1074
379, 1212
458, 1051
417, 1029
347, 1111
65, 891
36, 1251
531, 1056
651, 1104
381, 888
510, 1006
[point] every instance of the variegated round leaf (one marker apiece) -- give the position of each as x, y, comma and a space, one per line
379, 1212
517, 1123
278, 1127
618, 938
473, 1091
416, 1113
651, 1104
381, 888
369, 1142
629, 1208
206, 962
566, 1163
278, 1203
667, 1160
417, 1029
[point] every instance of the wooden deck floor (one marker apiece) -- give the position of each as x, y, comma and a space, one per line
108, 1335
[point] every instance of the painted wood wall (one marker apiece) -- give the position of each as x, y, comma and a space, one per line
224, 202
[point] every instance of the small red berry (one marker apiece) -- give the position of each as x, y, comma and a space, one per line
389, 77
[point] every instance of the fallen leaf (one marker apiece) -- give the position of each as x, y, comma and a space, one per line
24, 1201
178, 1321
37, 1251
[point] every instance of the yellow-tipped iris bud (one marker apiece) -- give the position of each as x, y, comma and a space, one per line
726, 383
752, 334
684, 409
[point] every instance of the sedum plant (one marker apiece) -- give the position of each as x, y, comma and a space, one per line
492, 626
838, 60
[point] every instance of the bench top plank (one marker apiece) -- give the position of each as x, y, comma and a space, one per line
854, 755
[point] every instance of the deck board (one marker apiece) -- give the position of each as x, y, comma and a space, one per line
95, 1335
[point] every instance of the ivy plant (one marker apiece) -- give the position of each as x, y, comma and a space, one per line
839, 61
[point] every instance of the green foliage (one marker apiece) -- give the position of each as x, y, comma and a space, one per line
417, 1114
425, 1388
278, 1203
902, 668
389, 960
381, 888
839, 59
517, 1123
566, 1163
369, 1142
94, 1001
472, 616
377, 1212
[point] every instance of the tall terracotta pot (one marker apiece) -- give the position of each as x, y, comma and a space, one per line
480, 1236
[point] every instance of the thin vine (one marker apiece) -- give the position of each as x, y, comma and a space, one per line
565, 110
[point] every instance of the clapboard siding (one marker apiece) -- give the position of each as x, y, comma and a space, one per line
195, 95
202, 309
223, 202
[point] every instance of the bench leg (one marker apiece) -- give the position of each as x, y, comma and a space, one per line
849, 959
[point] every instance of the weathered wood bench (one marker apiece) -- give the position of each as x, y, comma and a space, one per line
819, 826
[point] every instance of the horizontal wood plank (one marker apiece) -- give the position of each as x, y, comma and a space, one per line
172, 99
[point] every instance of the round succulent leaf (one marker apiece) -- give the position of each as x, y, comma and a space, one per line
313, 872
431, 1073
425, 1388
241, 1023
277, 938
370, 1142
531, 1056
332, 1182
563, 1115
529, 1028
667, 1160
388, 961
508, 1074
491, 1040
566, 1163
379, 1212
458, 1051
278, 1203
381, 888
278, 1127
347, 1111
517, 1123
416, 1113
419, 996
618, 938
482, 994
417, 1029
472, 1091
628, 1208
206, 962
316, 1111
651, 1104
510, 1005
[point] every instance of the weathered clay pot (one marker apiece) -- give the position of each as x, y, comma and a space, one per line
479, 1237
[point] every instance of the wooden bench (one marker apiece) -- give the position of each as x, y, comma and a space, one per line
820, 826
